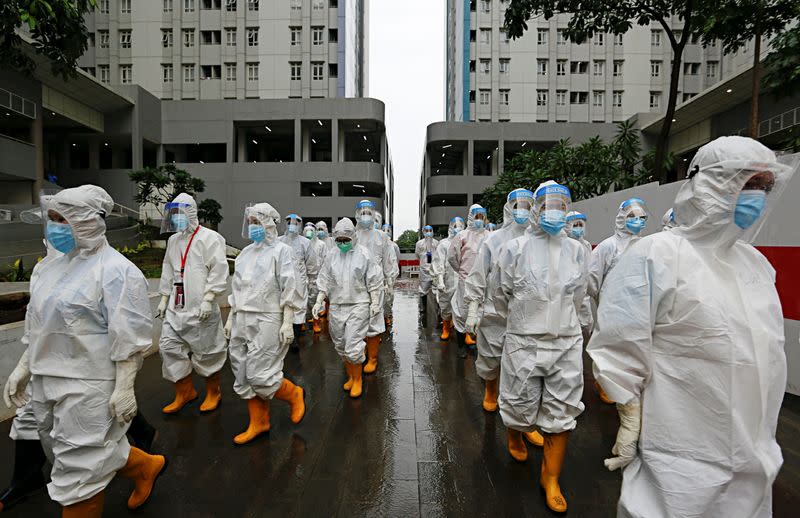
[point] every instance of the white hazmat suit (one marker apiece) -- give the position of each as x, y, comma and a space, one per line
445, 278
577, 220
304, 263
461, 257
424, 250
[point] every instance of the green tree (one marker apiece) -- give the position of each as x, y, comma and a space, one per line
57, 28
617, 17
408, 240
209, 211
782, 65
736, 22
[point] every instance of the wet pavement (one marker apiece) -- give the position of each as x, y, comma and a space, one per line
416, 444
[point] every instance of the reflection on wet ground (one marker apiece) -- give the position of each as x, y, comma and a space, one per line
416, 444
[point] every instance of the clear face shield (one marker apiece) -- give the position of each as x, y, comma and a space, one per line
365, 214
521, 203
636, 215
387, 228
176, 217
552, 204
576, 225
479, 218
427, 231
293, 224
378, 221
456, 225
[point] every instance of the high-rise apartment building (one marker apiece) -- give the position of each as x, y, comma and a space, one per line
543, 77
231, 49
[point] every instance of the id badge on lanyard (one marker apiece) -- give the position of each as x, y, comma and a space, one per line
179, 301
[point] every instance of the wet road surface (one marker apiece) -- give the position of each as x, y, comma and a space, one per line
416, 444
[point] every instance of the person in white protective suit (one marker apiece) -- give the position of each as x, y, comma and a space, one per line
424, 249
486, 314
322, 235
445, 277
461, 257
383, 254
352, 281
318, 250
263, 300
194, 273
304, 262
690, 343
576, 229
491, 227
631, 219
388, 301
668, 220
542, 281
89, 324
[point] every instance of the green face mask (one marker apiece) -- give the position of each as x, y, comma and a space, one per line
345, 247
310, 234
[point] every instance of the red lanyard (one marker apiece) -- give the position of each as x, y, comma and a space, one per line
186, 253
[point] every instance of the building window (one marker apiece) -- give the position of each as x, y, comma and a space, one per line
318, 5
317, 73
541, 67
599, 39
486, 36
295, 70
104, 6
541, 36
188, 73
333, 35
188, 37
90, 41
230, 6
230, 71
105, 75
504, 37
686, 97
295, 36
617, 99
561, 67
252, 37
317, 35
210, 72
103, 39
252, 71
578, 67
561, 98
486, 66
618, 68
166, 73
618, 39
126, 74
655, 37
655, 69
691, 69
561, 37
252, 5
297, 5
125, 6
486, 6
125, 39
597, 98
505, 65
484, 97
599, 68
212, 4
89, 70
211, 37
230, 37
655, 100
711, 69
541, 97
167, 6
578, 97
504, 97
166, 38
188, 7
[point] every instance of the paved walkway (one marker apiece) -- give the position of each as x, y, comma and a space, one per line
416, 444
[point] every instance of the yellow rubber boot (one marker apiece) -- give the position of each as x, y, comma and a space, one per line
317, 328
469, 340
555, 446
602, 393
516, 446
213, 393
349, 383
534, 437
184, 393
143, 469
387, 321
357, 388
296, 397
373, 345
259, 420
490, 396
446, 325
89, 508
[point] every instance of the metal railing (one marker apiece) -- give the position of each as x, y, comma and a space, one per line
774, 124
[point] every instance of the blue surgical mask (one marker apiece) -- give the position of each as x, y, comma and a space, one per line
60, 236
521, 216
552, 221
635, 225
428, 234
456, 230
577, 232
321, 234
749, 207
478, 223
293, 229
180, 221
256, 233
345, 247
365, 221
377, 226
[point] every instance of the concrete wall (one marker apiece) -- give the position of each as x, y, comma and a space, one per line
17, 159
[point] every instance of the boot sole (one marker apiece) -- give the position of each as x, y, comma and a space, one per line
209, 410
557, 513
173, 412
265, 432
153, 487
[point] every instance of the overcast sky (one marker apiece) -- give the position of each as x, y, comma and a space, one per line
406, 71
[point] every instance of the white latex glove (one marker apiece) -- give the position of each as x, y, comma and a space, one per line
161, 312
319, 306
123, 399
228, 326
374, 303
440, 283
473, 318
286, 331
207, 307
389, 288
630, 424
14, 393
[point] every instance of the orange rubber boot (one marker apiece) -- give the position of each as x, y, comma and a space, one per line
446, 325
534, 437
349, 383
184, 393
213, 393
357, 388
296, 397
516, 446
317, 328
490, 396
555, 446
89, 508
602, 393
143, 469
373, 344
259, 420
469, 340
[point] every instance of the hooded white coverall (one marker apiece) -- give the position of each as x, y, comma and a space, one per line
461, 257
375, 242
585, 314
424, 250
187, 342
690, 325
304, 261
608, 252
317, 250
442, 270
